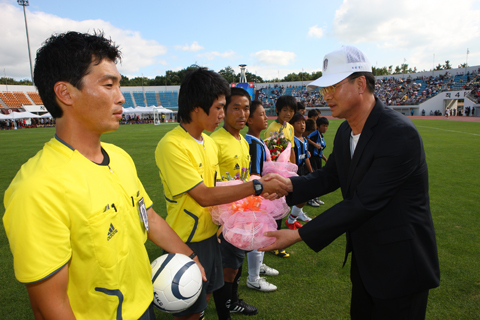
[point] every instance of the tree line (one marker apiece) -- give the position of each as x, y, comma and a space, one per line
176, 77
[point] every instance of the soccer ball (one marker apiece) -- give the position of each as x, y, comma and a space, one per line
177, 282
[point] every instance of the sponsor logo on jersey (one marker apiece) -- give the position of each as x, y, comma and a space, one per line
111, 232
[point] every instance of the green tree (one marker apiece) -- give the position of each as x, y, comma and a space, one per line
229, 74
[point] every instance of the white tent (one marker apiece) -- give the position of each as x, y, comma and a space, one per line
18, 115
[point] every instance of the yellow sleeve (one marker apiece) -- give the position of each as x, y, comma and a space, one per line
176, 167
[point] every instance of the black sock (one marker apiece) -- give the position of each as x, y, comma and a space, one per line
236, 281
222, 298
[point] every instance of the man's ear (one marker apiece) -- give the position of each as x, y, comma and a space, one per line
63, 91
361, 84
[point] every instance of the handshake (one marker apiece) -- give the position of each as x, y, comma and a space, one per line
275, 186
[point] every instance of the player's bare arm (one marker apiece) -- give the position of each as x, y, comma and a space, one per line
205, 196
163, 236
49, 299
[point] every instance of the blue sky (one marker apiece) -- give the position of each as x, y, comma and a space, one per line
273, 38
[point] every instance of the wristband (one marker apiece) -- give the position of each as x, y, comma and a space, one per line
193, 255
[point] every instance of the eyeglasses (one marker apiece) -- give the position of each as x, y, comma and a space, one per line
330, 90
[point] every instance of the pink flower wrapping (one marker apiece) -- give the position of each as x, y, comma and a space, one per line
245, 229
281, 165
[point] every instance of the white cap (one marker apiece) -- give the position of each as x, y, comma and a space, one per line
339, 64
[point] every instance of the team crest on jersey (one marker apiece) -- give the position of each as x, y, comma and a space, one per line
111, 232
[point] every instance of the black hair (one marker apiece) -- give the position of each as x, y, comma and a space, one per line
286, 101
253, 107
297, 116
67, 57
310, 125
300, 106
200, 88
312, 113
370, 79
322, 120
236, 92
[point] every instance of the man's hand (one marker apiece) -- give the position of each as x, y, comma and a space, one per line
276, 184
284, 238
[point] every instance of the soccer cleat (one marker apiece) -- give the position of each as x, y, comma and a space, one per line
302, 216
242, 307
267, 271
281, 253
291, 226
313, 203
317, 200
261, 285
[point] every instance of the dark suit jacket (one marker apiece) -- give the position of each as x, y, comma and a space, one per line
385, 211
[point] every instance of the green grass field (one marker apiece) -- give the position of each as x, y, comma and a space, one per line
311, 285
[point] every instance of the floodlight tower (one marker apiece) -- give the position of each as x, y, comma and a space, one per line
24, 3
243, 77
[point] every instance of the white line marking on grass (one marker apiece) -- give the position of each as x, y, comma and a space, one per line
473, 134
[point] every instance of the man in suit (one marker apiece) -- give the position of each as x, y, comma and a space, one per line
378, 161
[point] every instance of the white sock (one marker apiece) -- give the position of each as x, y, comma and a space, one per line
294, 214
255, 260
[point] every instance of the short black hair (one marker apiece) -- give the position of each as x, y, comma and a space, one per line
67, 57
286, 101
253, 107
312, 113
296, 117
236, 91
370, 78
322, 120
310, 125
200, 88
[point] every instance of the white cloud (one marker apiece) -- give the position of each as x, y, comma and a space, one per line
315, 32
215, 55
419, 28
137, 52
194, 47
274, 57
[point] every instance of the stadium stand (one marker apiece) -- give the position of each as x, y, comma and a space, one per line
151, 98
35, 97
22, 98
139, 98
128, 100
10, 100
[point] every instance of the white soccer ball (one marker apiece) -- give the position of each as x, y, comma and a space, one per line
177, 282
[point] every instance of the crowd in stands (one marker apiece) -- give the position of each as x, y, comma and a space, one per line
26, 123
392, 91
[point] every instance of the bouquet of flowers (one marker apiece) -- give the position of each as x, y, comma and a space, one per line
278, 154
277, 143
244, 221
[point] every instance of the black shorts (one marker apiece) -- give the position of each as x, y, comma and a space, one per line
208, 252
302, 170
232, 257
316, 162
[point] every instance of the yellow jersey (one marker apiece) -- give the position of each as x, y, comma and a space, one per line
233, 154
62, 208
184, 163
275, 126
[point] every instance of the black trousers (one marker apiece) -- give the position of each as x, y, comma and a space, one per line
364, 306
